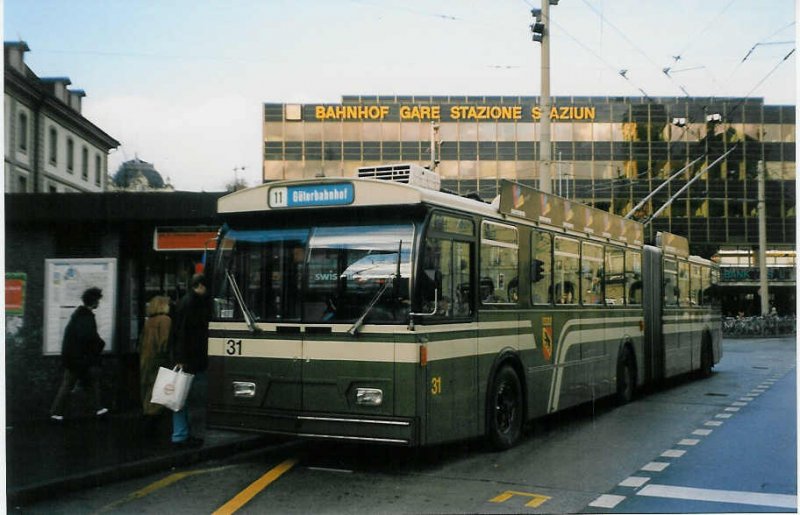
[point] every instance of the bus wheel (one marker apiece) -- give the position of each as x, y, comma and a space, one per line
626, 377
505, 409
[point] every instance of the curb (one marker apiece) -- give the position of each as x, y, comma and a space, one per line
124, 471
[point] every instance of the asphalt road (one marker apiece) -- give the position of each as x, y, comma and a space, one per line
724, 444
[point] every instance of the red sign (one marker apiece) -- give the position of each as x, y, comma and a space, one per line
15, 294
185, 240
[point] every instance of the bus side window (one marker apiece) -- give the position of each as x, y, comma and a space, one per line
706, 294
541, 268
670, 282
696, 285
566, 270
633, 276
499, 264
615, 276
592, 274
683, 284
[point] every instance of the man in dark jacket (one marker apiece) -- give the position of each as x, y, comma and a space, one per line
190, 349
80, 351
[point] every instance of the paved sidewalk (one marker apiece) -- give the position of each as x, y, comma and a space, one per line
46, 458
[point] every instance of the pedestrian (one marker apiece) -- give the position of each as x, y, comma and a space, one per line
80, 353
154, 352
190, 350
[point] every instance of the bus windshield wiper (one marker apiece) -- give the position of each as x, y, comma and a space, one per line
358, 323
389, 280
237, 294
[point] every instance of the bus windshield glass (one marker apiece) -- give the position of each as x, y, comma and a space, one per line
314, 274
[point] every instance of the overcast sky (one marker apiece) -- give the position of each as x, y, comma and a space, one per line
181, 83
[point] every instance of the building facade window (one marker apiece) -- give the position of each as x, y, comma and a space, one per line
22, 132
70, 155
53, 146
85, 163
98, 163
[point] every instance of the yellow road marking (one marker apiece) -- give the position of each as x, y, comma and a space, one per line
536, 501
251, 491
158, 485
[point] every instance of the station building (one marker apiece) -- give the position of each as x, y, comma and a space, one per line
607, 152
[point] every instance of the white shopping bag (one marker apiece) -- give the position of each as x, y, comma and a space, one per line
171, 388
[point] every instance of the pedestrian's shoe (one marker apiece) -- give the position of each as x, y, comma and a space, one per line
189, 443
57, 418
101, 412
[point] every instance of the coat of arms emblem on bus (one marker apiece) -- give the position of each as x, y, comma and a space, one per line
547, 338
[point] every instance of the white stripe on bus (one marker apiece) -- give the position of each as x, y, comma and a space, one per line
570, 337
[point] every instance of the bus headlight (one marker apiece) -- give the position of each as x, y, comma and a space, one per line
244, 389
369, 396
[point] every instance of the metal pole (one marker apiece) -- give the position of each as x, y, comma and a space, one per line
434, 158
762, 239
545, 172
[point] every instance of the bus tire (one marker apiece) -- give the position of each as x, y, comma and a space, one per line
505, 409
706, 358
626, 377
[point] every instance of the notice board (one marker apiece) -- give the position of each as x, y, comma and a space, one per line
65, 281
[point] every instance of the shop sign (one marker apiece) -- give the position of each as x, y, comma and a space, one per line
732, 274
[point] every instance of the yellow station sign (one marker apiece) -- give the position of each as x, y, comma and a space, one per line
455, 112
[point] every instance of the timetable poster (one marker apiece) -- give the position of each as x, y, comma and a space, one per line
65, 281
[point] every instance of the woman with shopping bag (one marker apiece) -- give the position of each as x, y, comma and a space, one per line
154, 352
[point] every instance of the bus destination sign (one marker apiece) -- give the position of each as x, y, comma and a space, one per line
315, 195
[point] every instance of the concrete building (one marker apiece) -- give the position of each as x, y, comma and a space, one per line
608, 152
50, 147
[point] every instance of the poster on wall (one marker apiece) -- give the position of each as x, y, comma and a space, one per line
65, 281
15, 294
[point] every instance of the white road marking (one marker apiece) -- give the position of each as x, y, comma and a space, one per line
635, 481
746, 399
726, 496
739, 404
689, 441
672, 453
713, 423
702, 432
327, 469
734, 410
723, 415
655, 466
607, 501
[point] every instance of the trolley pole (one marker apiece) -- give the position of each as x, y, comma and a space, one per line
762, 239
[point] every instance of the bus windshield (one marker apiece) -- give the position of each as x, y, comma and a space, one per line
314, 274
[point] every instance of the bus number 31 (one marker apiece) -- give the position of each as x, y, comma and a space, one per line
436, 385
233, 347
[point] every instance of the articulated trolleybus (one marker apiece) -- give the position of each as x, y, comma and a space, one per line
367, 309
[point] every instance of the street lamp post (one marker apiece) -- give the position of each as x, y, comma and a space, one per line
541, 33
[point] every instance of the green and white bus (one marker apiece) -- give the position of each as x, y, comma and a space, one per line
364, 309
